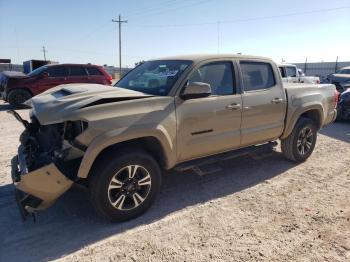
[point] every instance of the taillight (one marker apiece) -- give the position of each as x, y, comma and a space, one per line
336, 98
317, 81
109, 78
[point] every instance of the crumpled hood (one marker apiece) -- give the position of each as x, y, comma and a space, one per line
56, 104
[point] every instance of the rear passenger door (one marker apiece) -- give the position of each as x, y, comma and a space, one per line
264, 103
77, 74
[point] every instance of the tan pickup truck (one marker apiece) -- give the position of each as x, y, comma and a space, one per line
176, 112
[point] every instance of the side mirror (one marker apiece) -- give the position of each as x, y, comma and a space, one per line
45, 74
196, 90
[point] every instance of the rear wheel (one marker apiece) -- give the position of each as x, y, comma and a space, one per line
299, 145
18, 96
124, 187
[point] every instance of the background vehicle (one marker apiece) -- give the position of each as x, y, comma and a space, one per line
31, 65
341, 79
16, 87
344, 106
118, 141
291, 74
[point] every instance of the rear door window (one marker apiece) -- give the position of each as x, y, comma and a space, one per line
77, 71
56, 71
93, 71
257, 75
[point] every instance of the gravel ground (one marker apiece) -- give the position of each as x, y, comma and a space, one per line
255, 209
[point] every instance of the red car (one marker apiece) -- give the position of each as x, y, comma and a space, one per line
16, 87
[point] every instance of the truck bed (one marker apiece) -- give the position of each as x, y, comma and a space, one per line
304, 97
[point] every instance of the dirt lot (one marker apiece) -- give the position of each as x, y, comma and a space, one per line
255, 209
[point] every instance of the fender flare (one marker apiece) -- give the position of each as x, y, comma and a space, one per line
298, 113
118, 136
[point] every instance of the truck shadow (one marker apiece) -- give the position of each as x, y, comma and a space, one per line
338, 130
6, 106
71, 223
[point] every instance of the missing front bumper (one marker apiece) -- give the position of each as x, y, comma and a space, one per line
39, 189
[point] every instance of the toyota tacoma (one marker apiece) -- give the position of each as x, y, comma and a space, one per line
118, 141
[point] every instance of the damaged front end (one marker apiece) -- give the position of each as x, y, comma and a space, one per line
47, 162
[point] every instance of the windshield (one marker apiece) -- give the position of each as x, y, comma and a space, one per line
154, 77
37, 71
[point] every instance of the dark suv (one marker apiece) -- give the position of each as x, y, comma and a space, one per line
16, 87
341, 79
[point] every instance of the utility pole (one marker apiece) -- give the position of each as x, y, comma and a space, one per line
120, 21
336, 65
44, 51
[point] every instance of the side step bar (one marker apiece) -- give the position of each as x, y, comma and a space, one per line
209, 165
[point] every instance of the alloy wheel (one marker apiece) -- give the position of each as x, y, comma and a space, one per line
129, 187
305, 141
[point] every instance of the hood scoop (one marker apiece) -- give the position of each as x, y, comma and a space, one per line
103, 101
66, 92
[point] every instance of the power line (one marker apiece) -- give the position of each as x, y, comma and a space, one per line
44, 51
93, 32
174, 9
248, 19
151, 8
119, 21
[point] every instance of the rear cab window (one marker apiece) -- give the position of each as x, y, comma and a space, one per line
282, 71
257, 75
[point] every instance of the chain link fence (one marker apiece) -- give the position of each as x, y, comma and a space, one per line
321, 69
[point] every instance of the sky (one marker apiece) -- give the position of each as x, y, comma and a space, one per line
81, 31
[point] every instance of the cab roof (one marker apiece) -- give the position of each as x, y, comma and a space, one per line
285, 64
67, 64
202, 57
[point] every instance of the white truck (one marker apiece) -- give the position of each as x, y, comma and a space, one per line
291, 74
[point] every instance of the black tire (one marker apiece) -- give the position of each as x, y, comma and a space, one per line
100, 182
292, 146
17, 97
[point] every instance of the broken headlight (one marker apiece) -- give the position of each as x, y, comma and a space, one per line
74, 128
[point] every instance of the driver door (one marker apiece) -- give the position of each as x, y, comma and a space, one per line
210, 125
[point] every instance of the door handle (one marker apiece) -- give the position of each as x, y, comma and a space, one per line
234, 107
277, 100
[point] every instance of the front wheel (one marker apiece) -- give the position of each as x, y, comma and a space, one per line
17, 97
126, 186
299, 145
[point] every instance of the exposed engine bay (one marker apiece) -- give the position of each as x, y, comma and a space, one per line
45, 144
47, 162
